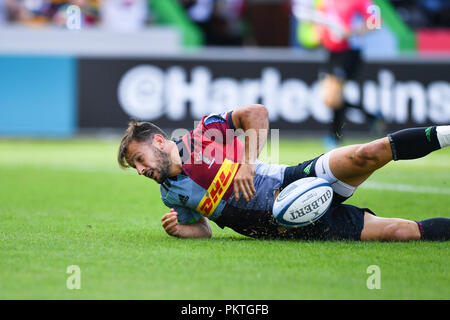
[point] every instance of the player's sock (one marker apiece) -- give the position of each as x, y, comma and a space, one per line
338, 123
418, 142
434, 229
443, 135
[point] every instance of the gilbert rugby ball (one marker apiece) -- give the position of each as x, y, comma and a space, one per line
303, 202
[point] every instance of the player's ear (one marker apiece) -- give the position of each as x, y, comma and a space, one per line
159, 141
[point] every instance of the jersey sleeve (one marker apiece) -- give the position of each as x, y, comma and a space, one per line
186, 215
218, 127
219, 121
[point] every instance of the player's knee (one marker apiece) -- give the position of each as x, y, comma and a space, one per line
369, 154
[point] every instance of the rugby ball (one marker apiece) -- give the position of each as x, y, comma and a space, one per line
303, 202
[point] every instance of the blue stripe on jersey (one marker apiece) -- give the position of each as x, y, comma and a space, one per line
215, 118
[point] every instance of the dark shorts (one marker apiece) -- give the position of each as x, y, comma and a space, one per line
340, 222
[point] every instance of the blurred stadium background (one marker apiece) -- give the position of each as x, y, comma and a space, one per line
72, 73
173, 61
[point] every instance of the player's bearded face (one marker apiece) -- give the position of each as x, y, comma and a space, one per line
150, 161
163, 165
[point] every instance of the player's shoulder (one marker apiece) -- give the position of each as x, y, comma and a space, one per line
215, 117
219, 118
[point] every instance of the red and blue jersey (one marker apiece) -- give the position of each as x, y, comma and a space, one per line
211, 156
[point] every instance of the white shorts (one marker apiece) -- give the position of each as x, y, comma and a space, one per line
323, 171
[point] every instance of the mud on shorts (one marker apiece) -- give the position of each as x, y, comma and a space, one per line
340, 222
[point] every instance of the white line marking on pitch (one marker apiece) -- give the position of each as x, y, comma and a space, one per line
403, 187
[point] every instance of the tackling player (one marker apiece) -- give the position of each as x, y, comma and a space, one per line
204, 174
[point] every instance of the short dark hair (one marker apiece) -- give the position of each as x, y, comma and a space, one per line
139, 131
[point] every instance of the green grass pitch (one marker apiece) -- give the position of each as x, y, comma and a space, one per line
67, 203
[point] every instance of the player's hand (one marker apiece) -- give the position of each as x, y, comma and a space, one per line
170, 224
243, 182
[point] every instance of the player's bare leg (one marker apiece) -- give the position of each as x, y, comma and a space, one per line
354, 164
394, 229
389, 229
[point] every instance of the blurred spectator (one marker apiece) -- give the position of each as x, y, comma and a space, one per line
124, 15
224, 22
89, 12
341, 34
221, 20
424, 13
269, 21
200, 11
31, 12
436, 11
2, 12
42, 12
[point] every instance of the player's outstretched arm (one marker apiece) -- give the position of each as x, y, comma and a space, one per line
198, 229
254, 121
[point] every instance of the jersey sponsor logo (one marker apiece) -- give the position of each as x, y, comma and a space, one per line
218, 188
